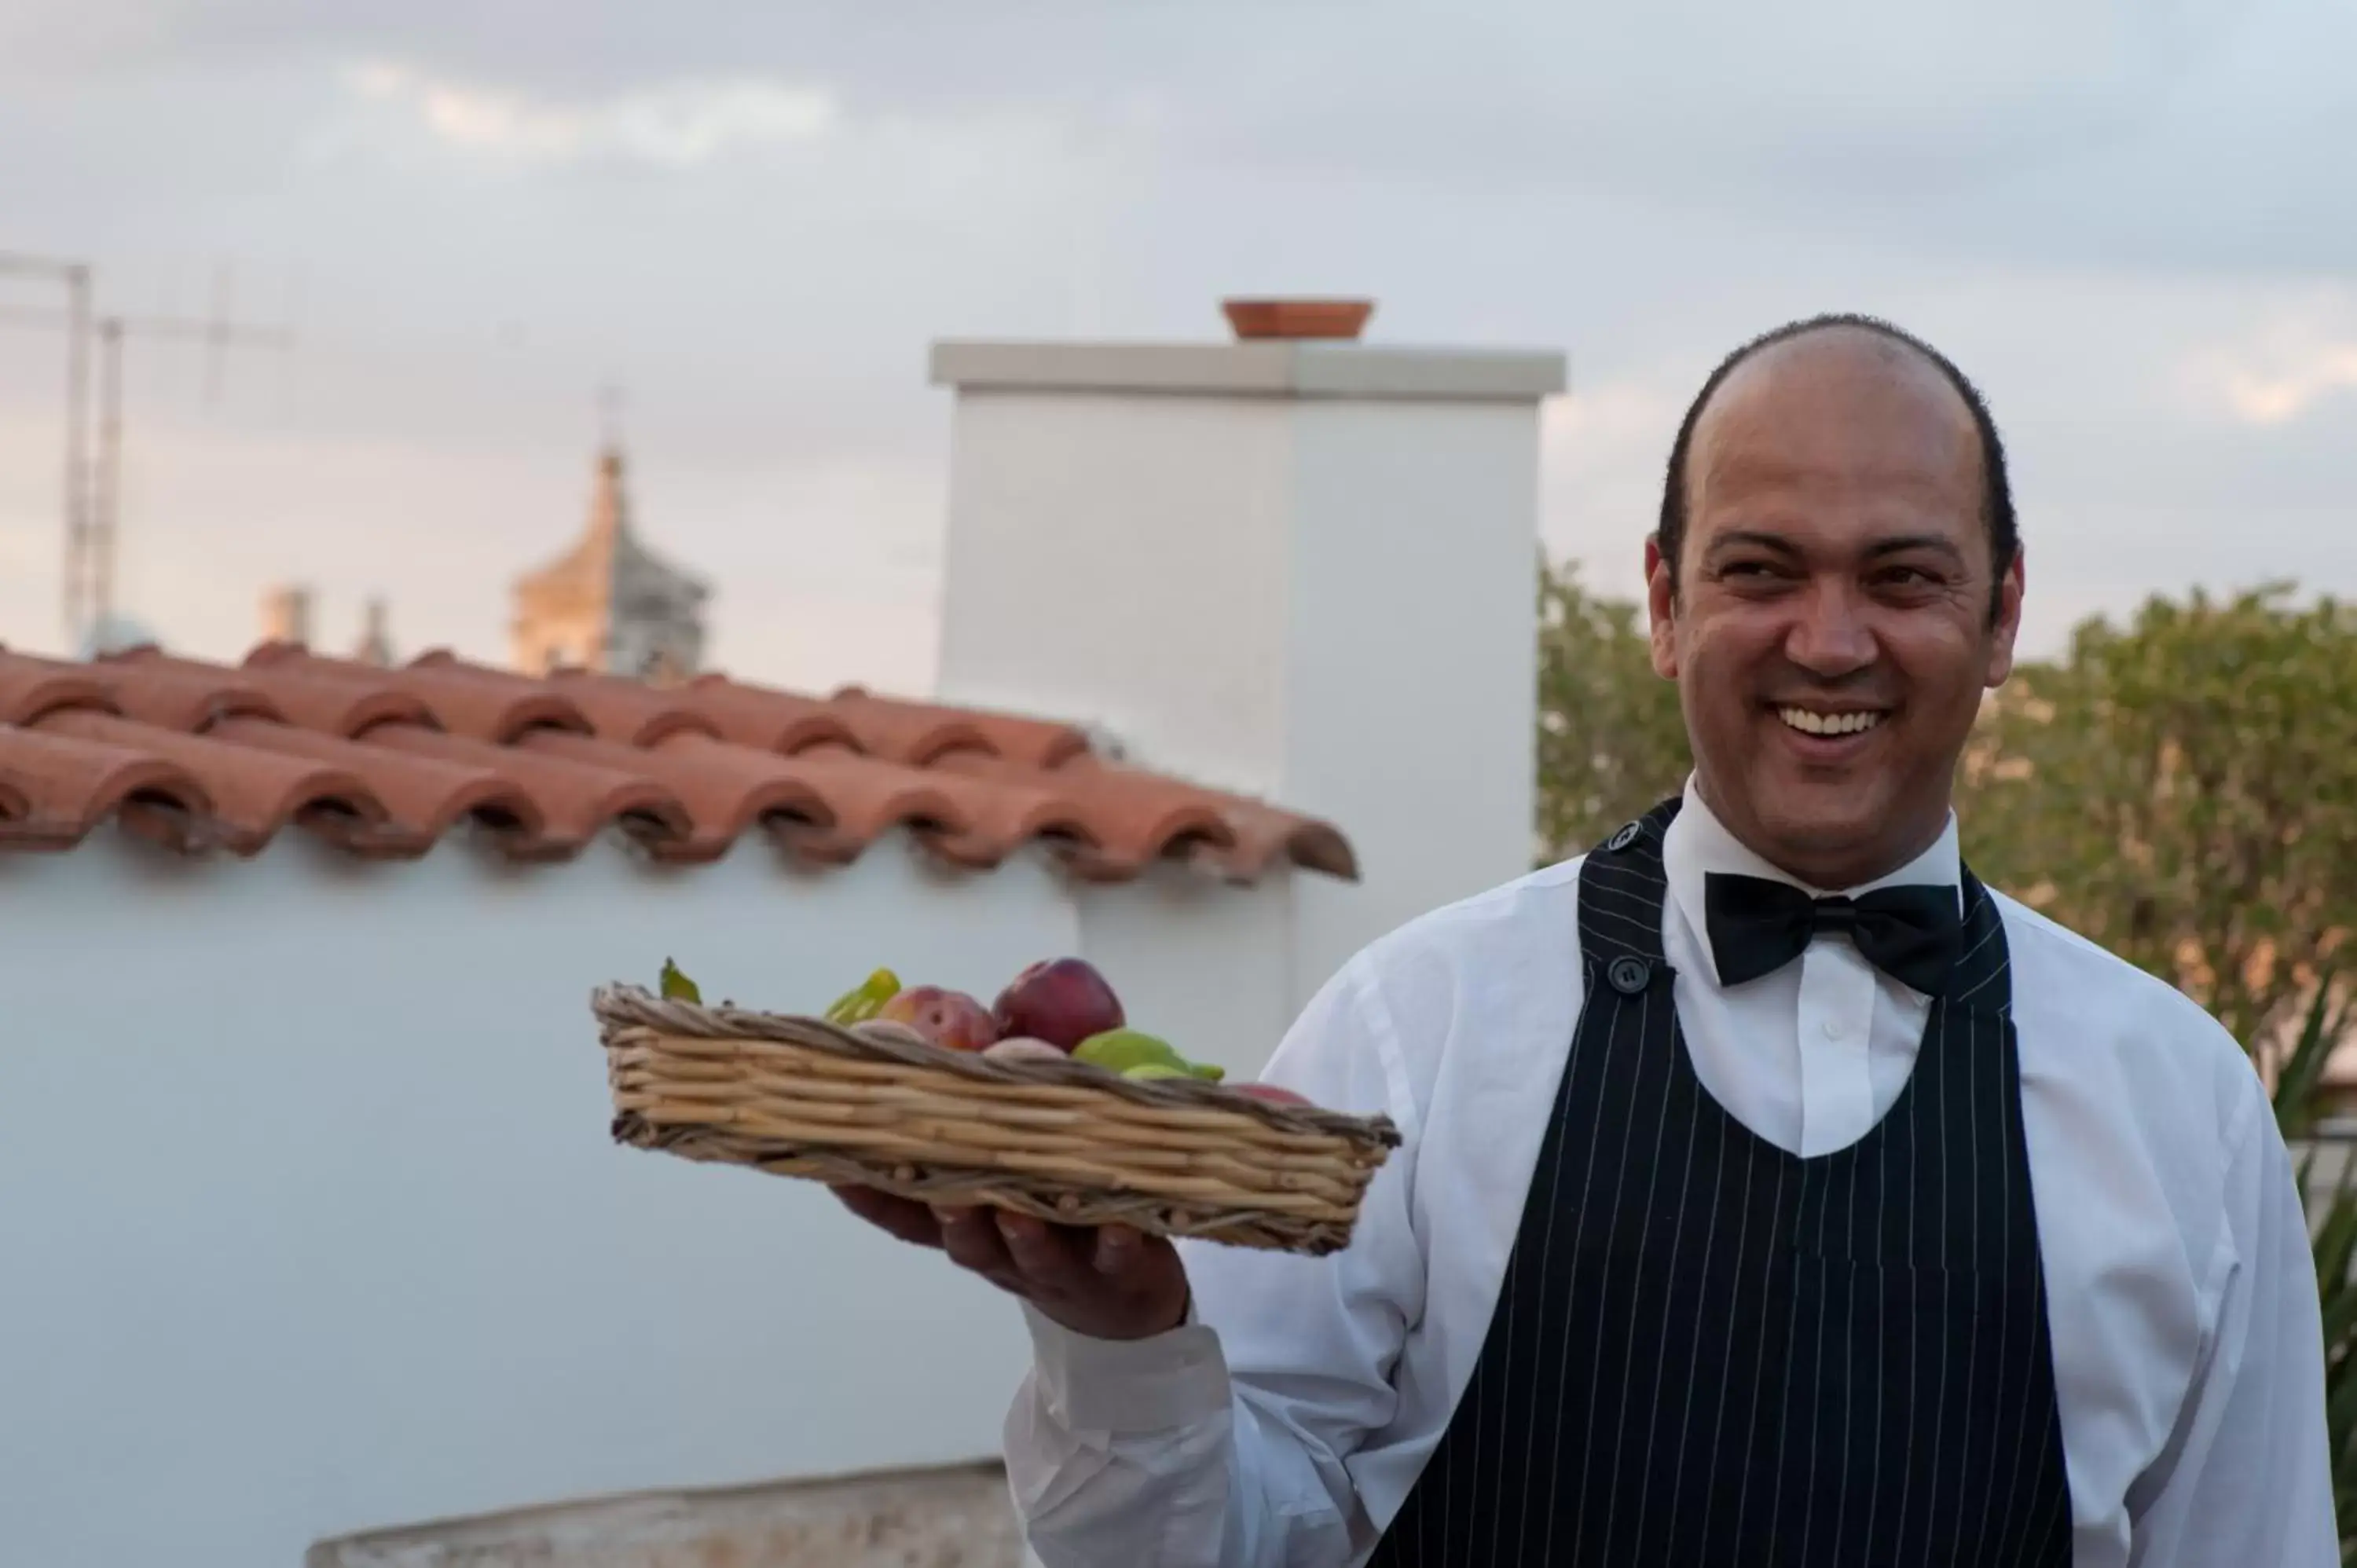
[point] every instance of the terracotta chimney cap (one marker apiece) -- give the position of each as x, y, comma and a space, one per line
1298, 318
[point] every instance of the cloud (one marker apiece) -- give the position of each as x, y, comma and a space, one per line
679, 124
2263, 399
2279, 373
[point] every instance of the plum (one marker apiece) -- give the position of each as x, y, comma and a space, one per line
1062, 1001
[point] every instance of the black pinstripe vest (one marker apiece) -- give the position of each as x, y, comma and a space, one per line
1708, 1350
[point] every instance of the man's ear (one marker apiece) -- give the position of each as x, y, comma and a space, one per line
2004, 625
1662, 601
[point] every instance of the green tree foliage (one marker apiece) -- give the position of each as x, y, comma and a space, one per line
2184, 791
1611, 739
2326, 1173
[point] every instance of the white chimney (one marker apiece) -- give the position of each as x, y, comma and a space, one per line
1295, 568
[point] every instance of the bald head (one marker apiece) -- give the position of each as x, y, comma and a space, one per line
1853, 369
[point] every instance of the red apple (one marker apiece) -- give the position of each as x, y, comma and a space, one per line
950, 1019
1062, 1001
1271, 1093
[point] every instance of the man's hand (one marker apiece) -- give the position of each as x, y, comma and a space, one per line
1110, 1282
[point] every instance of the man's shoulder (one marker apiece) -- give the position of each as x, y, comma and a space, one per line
1476, 963
1496, 924
2055, 952
2080, 1006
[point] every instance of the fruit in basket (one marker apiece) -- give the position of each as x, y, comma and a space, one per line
1023, 1048
866, 1000
950, 1019
885, 1029
1121, 1049
1062, 1001
676, 986
1147, 1070
1272, 1094
1124, 1049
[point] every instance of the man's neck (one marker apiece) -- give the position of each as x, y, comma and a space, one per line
1826, 878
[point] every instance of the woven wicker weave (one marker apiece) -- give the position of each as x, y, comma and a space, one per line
1064, 1141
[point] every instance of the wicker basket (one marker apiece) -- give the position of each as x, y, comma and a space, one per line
1064, 1141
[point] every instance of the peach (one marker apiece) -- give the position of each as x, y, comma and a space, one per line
949, 1019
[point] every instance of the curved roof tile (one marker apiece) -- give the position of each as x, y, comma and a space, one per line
176, 693
576, 801
62, 786
388, 762
30, 687
254, 794
767, 720
424, 798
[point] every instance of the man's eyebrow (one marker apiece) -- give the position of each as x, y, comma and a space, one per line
1896, 544
1899, 544
1753, 538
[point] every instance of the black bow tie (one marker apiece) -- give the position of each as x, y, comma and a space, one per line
1757, 925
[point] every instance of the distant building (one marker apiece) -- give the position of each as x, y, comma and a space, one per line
287, 616
287, 613
609, 604
375, 645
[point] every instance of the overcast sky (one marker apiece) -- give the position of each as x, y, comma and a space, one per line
2134, 224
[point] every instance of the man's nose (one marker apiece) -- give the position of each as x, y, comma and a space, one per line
1830, 636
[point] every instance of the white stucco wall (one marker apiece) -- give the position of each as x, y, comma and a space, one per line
310, 1223
1305, 572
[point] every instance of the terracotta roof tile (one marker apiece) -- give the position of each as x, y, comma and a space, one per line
725, 789
630, 712
487, 704
920, 733
576, 801
390, 761
345, 701
424, 798
767, 720
252, 794
59, 786
30, 687
176, 693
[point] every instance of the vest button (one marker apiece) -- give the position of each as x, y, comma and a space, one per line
1625, 837
1628, 975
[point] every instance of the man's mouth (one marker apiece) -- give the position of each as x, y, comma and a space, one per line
1830, 723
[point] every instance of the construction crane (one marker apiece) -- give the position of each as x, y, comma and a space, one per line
76, 277
94, 512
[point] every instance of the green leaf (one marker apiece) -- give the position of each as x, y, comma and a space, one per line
676, 986
864, 1000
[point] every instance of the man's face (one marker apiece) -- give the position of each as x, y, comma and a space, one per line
1830, 631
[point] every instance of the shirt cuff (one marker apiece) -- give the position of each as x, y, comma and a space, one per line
1128, 1386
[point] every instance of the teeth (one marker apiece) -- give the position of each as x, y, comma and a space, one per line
1807, 723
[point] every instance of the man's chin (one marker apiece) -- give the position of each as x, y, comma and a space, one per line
1817, 821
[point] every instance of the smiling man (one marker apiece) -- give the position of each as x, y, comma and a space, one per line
1773, 1192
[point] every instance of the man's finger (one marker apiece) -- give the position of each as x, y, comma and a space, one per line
1119, 1249
973, 1242
909, 1220
1045, 1255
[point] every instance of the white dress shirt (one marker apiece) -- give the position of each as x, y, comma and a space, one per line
1287, 1419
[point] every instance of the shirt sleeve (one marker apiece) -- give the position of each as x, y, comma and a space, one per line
2249, 1481
1223, 1442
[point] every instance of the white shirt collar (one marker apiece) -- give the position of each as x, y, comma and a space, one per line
1698, 844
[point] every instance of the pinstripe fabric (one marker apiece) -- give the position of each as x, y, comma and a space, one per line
1706, 1349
